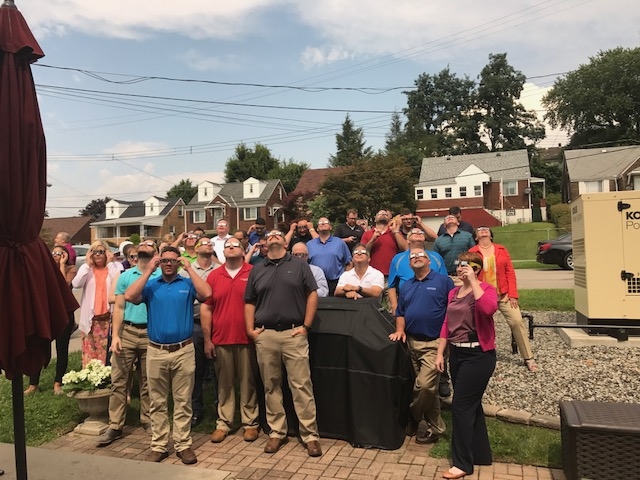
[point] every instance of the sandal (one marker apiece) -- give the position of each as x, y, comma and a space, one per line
531, 365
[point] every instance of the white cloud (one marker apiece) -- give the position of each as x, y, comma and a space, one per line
200, 62
317, 57
531, 99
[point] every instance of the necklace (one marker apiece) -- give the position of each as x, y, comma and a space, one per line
488, 246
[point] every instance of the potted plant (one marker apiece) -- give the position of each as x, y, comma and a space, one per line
91, 387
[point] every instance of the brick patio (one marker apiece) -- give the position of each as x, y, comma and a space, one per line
245, 460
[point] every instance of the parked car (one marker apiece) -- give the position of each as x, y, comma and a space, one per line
81, 253
557, 252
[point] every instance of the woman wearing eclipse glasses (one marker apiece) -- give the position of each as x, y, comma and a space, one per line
95, 278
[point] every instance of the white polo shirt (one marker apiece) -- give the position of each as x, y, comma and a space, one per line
371, 278
218, 246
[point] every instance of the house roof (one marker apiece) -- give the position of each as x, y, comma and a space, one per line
135, 213
232, 193
71, 225
599, 164
312, 179
510, 165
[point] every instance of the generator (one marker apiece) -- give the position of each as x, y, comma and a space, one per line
606, 261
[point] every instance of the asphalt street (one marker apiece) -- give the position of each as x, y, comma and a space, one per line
544, 278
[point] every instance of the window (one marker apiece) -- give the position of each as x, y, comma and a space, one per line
477, 190
510, 188
419, 194
205, 193
593, 187
447, 192
181, 211
463, 191
151, 208
250, 213
199, 216
434, 193
251, 188
113, 210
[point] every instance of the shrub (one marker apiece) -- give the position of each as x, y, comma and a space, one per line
561, 216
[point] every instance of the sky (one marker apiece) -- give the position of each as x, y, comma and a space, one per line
136, 96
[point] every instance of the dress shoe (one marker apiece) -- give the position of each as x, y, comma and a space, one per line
196, 418
219, 435
427, 438
313, 449
274, 444
412, 427
1, 472
251, 434
187, 456
157, 456
108, 437
450, 475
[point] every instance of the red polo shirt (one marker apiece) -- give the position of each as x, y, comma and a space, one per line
227, 305
382, 251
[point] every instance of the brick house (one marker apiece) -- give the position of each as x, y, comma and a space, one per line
490, 188
77, 228
239, 203
151, 218
600, 170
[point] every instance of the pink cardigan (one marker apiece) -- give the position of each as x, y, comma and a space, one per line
485, 307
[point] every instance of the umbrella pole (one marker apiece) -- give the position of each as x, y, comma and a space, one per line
18, 428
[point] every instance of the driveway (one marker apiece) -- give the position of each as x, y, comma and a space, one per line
544, 278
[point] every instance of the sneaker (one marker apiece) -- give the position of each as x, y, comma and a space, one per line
157, 456
444, 390
108, 437
187, 456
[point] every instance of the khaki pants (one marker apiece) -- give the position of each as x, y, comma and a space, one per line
134, 347
426, 403
236, 362
273, 349
170, 372
516, 324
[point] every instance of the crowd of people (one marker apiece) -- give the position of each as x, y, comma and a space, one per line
235, 306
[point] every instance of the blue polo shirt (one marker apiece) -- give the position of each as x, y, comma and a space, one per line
330, 256
400, 268
133, 313
170, 307
423, 304
450, 246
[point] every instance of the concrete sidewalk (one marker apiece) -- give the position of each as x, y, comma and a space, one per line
76, 456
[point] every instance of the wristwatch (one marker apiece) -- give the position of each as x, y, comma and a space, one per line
306, 327
360, 289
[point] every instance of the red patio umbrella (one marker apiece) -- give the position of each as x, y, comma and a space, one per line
34, 297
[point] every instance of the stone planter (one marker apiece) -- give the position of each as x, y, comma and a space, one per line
96, 404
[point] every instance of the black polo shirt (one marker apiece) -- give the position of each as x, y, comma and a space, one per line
344, 231
279, 290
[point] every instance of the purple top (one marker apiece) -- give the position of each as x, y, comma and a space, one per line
460, 314
72, 254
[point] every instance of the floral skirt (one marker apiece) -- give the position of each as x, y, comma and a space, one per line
94, 344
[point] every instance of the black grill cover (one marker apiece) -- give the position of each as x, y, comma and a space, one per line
361, 380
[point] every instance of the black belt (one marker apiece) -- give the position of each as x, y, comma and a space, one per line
422, 338
141, 326
279, 327
171, 347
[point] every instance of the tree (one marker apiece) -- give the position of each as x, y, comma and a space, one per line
441, 107
95, 208
248, 162
350, 145
185, 190
289, 173
408, 145
506, 122
550, 171
600, 101
382, 181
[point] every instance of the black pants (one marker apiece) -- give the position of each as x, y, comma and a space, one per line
332, 284
204, 367
471, 369
62, 354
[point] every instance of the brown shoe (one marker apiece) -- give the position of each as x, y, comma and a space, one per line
313, 449
187, 456
250, 434
219, 435
157, 456
274, 444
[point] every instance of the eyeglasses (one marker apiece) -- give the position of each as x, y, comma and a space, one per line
483, 228
148, 243
232, 245
169, 261
56, 254
417, 255
192, 237
359, 252
323, 222
300, 255
464, 263
275, 233
203, 242
98, 252
416, 231
133, 257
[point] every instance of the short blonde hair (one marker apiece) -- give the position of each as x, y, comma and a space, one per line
99, 243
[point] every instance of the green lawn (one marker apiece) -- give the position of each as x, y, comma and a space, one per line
521, 239
560, 300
